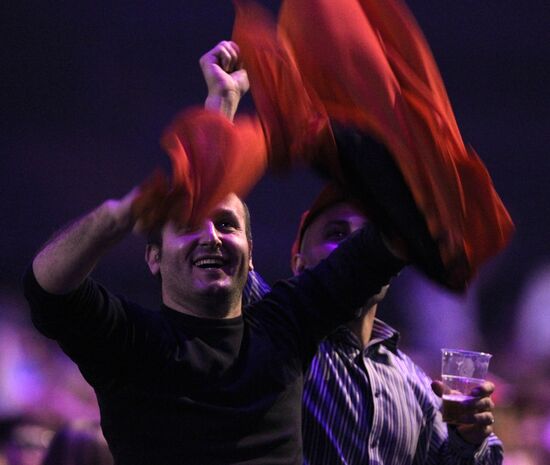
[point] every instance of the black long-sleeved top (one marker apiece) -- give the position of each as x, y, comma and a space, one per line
176, 389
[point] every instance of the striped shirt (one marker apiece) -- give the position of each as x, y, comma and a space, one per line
375, 406
255, 288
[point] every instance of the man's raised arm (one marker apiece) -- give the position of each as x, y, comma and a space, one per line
70, 256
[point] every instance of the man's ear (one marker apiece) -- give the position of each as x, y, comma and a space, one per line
152, 257
298, 264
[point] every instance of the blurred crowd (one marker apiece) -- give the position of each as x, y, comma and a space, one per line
49, 414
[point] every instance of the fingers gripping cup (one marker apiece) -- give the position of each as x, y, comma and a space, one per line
461, 371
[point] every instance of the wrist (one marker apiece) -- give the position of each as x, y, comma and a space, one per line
225, 103
114, 219
461, 446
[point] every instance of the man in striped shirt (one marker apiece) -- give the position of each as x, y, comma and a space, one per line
364, 400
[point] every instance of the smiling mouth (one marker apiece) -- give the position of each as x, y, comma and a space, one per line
209, 263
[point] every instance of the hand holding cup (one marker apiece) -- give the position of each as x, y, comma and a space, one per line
466, 394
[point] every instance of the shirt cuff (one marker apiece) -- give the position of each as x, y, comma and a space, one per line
461, 448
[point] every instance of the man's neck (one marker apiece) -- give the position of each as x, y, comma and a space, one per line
362, 326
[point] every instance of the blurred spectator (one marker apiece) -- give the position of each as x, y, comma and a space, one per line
30, 370
79, 443
514, 316
526, 367
533, 326
24, 440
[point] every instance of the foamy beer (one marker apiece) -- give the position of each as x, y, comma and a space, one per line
461, 371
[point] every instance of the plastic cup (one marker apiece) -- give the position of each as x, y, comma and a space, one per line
462, 371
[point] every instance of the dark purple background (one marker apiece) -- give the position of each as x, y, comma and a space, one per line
87, 88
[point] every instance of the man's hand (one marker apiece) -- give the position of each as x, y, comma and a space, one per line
477, 414
225, 78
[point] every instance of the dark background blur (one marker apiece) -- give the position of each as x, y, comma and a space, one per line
87, 88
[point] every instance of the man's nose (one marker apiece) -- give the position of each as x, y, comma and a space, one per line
209, 235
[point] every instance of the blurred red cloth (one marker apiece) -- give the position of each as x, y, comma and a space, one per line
366, 63
211, 157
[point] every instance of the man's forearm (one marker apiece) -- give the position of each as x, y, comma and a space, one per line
70, 256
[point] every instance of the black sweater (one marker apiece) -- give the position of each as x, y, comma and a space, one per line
176, 389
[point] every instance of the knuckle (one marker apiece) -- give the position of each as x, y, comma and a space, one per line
487, 419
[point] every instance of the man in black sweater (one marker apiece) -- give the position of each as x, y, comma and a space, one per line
203, 381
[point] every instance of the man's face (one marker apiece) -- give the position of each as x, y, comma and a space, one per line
325, 233
208, 263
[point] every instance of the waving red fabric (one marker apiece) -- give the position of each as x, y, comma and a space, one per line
211, 157
367, 64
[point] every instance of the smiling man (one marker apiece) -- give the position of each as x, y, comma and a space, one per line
196, 272
203, 380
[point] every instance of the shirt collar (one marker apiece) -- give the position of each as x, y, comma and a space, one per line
382, 333
385, 334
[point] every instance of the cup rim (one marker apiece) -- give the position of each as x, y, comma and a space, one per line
466, 352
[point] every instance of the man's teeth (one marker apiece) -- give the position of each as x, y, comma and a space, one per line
209, 263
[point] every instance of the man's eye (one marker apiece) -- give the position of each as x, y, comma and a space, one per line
336, 234
226, 226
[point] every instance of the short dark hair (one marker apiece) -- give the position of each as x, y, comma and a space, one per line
247, 223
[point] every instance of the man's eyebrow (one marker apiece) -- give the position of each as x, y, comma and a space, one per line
337, 223
341, 223
225, 213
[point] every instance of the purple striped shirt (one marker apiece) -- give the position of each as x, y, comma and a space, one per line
375, 406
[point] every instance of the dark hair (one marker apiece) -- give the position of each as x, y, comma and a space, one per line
247, 224
79, 443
